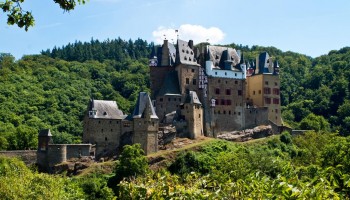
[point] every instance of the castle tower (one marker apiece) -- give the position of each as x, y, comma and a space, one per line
264, 87
193, 114
146, 124
44, 139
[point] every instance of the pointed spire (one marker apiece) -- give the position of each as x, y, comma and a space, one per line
242, 59
276, 68
154, 52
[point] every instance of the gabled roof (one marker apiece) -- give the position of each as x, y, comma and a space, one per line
219, 55
144, 107
192, 98
105, 109
45, 132
170, 85
185, 54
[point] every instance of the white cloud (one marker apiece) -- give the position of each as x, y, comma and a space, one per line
186, 32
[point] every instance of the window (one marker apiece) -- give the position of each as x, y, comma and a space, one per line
228, 92
199, 115
224, 112
268, 100
216, 102
169, 99
217, 91
276, 91
239, 92
229, 112
219, 112
228, 102
276, 110
216, 73
192, 70
187, 81
239, 113
266, 83
223, 102
236, 82
102, 130
161, 99
235, 74
219, 81
253, 92
267, 90
194, 81
225, 73
276, 101
276, 84
259, 91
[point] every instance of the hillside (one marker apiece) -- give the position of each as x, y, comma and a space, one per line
312, 166
52, 90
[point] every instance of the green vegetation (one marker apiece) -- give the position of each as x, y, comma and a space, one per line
39, 92
310, 166
52, 90
304, 167
16, 15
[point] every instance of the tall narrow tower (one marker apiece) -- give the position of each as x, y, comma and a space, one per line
146, 124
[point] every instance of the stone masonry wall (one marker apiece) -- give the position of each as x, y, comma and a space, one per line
28, 156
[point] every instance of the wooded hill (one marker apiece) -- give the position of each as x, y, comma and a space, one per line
52, 90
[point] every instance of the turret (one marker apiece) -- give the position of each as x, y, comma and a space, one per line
276, 68
146, 124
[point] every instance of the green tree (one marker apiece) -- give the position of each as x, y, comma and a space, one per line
16, 15
314, 122
132, 163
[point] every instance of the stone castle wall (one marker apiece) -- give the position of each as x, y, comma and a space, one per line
28, 156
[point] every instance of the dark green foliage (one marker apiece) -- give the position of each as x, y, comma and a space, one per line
285, 137
39, 92
16, 15
95, 188
117, 49
132, 163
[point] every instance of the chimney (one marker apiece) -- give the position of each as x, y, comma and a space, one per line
190, 44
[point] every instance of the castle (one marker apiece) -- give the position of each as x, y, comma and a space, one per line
201, 91
230, 94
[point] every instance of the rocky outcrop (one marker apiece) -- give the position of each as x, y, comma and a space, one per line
247, 134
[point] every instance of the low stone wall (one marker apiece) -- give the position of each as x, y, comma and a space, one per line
28, 156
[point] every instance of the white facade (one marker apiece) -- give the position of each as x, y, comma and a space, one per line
216, 72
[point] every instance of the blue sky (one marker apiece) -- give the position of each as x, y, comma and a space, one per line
311, 27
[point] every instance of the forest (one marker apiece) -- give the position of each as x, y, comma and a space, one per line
52, 90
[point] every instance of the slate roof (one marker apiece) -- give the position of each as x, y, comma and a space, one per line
263, 57
276, 68
185, 55
170, 85
45, 132
192, 98
144, 107
172, 52
218, 55
106, 109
